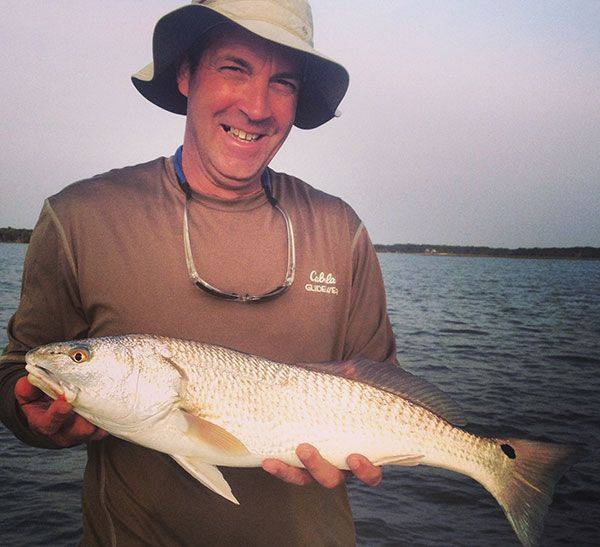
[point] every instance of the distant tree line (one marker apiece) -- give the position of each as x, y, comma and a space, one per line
22, 235
587, 253
14, 235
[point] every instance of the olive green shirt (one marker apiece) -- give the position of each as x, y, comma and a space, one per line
106, 258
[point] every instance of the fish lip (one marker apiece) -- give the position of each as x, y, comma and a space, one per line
34, 368
37, 370
51, 383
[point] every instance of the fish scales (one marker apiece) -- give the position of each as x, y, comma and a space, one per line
206, 406
291, 401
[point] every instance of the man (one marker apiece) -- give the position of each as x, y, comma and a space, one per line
194, 246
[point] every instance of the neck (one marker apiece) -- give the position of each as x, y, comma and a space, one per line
202, 183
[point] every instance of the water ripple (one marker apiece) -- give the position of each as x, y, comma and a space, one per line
577, 359
515, 343
465, 331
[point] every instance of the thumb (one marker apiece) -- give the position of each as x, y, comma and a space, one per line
26, 392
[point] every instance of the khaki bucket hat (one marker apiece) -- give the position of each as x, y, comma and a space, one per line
285, 22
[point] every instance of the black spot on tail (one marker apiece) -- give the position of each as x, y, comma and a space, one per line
509, 451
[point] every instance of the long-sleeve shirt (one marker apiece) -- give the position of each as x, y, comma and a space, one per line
107, 258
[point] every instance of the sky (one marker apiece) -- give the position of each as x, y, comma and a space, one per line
466, 122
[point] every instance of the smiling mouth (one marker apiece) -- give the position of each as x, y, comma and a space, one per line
240, 134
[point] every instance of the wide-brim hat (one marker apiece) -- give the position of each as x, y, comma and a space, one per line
284, 22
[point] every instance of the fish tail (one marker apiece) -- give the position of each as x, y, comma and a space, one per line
525, 486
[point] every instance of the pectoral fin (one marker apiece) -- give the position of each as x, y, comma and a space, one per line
208, 475
213, 435
406, 460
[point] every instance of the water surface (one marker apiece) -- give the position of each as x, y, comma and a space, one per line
516, 343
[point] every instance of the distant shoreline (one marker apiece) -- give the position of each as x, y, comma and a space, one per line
564, 253
15, 235
22, 235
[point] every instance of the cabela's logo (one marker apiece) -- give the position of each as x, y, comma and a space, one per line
321, 282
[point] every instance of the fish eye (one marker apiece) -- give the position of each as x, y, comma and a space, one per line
80, 354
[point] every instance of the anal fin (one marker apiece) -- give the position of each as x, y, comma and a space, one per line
209, 475
405, 460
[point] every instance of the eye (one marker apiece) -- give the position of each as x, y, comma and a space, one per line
80, 354
232, 68
288, 86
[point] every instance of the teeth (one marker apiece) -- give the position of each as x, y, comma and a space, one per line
243, 135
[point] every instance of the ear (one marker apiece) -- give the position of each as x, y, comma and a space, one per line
183, 77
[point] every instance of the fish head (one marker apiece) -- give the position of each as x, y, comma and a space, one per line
117, 383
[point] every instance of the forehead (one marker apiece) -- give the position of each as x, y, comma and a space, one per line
228, 40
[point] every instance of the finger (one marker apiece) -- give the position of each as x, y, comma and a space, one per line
85, 431
287, 473
54, 419
322, 471
26, 392
98, 435
50, 421
79, 431
37, 415
364, 470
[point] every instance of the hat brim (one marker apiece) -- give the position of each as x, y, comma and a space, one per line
324, 83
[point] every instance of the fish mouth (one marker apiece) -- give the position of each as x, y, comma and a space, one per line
43, 379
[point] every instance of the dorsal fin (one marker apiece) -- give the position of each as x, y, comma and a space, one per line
395, 380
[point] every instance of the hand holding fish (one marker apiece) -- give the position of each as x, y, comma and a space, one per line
319, 469
54, 419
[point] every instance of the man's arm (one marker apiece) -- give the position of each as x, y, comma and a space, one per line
369, 334
49, 311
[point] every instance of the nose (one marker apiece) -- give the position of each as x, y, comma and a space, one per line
255, 100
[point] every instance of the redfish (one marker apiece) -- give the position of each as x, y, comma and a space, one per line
208, 406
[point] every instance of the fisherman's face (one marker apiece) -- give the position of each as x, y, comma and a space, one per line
242, 100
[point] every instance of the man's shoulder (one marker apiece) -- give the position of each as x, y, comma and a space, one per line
118, 184
301, 194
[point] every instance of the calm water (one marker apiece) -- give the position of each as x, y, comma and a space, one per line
516, 342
